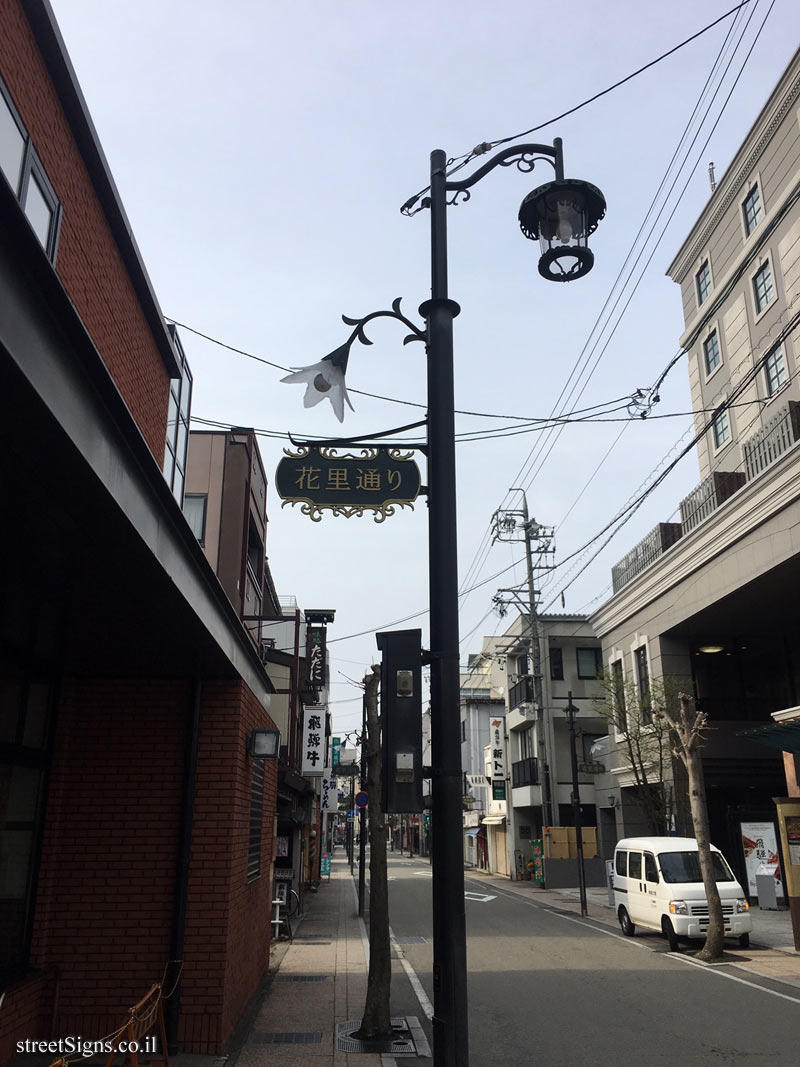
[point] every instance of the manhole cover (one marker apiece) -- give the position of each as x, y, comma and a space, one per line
400, 1044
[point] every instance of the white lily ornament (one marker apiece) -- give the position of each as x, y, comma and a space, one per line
325, 379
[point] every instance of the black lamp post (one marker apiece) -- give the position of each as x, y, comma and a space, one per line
571, 711
561, 215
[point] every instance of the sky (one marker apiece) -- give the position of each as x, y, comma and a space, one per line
263, 151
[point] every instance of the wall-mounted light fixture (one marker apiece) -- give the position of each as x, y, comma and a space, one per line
612, 800
264, 744
711, 648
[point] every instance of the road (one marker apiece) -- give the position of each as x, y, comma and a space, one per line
553, 990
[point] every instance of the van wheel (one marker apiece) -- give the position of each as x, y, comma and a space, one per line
744, 941
625, 922
668, 930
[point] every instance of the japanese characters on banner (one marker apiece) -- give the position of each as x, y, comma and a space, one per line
498, 752
315, 655
329, 799
760, 844
313, 755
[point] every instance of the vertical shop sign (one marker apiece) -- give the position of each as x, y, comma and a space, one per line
315, 656
498, 760
313, 755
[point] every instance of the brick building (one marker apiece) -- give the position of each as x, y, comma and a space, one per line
136, 833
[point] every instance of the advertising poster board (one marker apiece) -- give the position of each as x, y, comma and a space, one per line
760, 845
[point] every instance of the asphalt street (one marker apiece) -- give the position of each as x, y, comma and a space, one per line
550, 989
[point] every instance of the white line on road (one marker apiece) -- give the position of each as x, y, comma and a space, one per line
416, 985
632, 943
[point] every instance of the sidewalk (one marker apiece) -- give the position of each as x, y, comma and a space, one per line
320, 980
771, 953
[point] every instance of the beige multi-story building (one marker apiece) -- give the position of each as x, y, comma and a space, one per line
710, 602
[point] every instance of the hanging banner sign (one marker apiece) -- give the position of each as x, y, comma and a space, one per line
315, 655
313, 738
377, 479
498, 754
329, 798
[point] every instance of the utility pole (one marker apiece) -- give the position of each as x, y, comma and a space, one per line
515, 525
571, 711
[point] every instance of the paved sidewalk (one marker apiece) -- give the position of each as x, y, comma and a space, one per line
771, 953
321, 980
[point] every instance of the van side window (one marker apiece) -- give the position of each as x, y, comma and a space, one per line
634, 865
622, 864
650, 869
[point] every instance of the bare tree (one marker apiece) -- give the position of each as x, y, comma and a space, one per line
645, 741
376, 1022
687, 726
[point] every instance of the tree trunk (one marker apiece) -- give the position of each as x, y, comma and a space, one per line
715, 935
376, 1021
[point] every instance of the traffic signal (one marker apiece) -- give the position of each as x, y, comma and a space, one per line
401, 719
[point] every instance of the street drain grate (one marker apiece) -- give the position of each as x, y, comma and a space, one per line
313, 1037
303, 977
401, 1044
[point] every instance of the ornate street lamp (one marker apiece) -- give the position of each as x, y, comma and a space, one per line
562, 215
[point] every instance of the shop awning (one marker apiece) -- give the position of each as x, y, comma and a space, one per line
781, 735
472, 832
493, 820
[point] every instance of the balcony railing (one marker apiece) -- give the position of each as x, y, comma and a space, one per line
520, 692
646, 552
525, 772
707, 497
773, 439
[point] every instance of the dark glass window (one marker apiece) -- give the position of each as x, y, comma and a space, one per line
25, 174
635, 864
589, 662
703, 281
194, 508
622, 864
643, 682
763, 288
556, 664
679, 867
650, 869
721, 428
775, 371
751, 209
711, 352
620, 707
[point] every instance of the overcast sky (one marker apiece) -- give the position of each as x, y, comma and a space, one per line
263, 151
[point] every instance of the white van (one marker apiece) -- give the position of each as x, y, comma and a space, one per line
658, 886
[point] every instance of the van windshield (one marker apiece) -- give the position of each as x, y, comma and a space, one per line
685, 867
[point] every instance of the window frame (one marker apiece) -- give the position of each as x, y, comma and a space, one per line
712, 332
32, 167
765, 262
620, 703
556, 663
753, 187
779, 349
705, 265
201, 537
598, 662
719, 411
641, 665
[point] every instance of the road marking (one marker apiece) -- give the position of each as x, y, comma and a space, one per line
482, 897
633, 943
424, 874
416, 985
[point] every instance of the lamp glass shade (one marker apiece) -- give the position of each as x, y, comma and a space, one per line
562, 215
264, 744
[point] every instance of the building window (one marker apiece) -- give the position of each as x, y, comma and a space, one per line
25, 174
589, 662
643, 682
763, 289
24, 725
180, 405
620, 705
556, 664
711, 353
463, 729
751, 210
703, 282
775, 371
194, 509
526, 746
256, 820
721, 428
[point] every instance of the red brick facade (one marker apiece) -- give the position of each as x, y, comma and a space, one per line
88, 263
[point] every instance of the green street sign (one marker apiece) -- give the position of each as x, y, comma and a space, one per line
376, 479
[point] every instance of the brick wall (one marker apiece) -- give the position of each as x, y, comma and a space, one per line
26, 1012
105, 894
228, 922
88, 261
